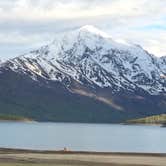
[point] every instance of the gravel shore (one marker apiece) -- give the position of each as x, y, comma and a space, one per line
16, 157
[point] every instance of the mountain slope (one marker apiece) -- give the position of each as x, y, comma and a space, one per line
88, 73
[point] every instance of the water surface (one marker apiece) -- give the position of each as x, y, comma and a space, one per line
83, 137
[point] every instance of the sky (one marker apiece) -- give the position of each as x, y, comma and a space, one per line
28, 24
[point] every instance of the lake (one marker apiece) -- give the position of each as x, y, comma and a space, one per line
83, 137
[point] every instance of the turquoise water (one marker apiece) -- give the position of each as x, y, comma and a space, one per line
84, 137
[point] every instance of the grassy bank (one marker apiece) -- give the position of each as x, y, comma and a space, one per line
4, 117
156, 119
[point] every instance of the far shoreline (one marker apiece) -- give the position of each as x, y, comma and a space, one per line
93, 123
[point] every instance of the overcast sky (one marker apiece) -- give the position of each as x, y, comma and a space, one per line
28, 24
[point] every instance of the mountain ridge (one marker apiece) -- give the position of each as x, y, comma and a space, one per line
86, 42
87, 63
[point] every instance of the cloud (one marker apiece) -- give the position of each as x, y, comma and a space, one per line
64, 9
34, 22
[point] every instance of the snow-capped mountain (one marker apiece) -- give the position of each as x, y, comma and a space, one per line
88, 54
89, 63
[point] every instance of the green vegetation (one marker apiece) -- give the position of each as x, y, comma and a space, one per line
13, 118
156, 119
51, 101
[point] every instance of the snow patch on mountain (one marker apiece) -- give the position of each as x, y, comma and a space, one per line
89, 55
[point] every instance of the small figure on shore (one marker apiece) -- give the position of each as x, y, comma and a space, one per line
65, 149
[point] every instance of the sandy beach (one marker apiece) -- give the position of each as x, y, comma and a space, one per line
16, 157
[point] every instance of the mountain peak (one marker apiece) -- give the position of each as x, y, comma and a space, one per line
94, 30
